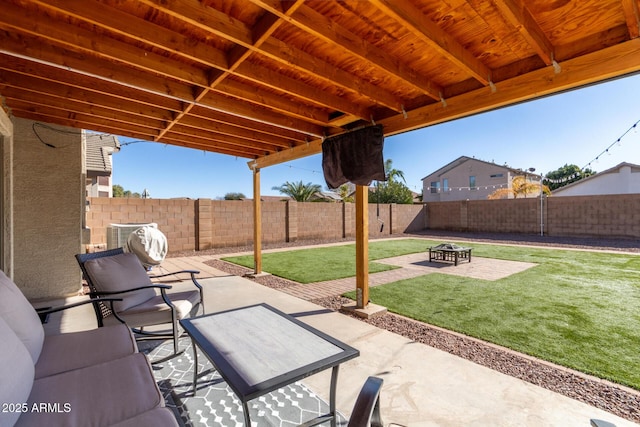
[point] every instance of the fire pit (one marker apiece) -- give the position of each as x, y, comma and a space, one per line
449, 252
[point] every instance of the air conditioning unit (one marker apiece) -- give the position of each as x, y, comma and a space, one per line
117, 234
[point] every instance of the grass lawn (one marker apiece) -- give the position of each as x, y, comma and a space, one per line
335, 262
577, 309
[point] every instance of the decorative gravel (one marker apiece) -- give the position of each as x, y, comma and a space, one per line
619, 400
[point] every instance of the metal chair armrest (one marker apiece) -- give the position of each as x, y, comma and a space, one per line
366, 411
44, 312
98, 293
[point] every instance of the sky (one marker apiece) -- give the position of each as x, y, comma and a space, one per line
571, 128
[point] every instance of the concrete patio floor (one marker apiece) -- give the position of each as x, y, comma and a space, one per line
423, 386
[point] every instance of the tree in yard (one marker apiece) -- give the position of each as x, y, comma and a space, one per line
298, 191
344, 191
566, 175
119, 191
234, 196
391, 191
520, 187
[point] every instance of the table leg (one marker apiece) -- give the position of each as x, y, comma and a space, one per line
195, 366
332, 394
245, 409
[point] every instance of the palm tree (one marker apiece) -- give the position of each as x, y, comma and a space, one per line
298, 191
392, 173
519, 187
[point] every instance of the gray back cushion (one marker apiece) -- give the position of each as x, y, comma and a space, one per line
118, 273
21, 317
16, 374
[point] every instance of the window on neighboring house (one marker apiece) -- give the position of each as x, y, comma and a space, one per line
497, 175
472, 182
445, 185
435, 187
103, 180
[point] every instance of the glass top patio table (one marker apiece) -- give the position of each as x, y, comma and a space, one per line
258, 349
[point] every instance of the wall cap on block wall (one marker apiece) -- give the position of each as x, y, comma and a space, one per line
371, 310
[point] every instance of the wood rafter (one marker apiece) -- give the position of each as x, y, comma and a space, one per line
577, 72
268, 79
632, 14
415, 21
313, 23
517, 14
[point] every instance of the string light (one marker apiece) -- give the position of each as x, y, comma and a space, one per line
577, 175
617, 142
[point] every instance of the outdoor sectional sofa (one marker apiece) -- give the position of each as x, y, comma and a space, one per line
88, 378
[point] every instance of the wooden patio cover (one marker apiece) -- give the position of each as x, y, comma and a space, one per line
268, 80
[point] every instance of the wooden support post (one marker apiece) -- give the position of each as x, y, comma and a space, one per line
362, 246
257, 223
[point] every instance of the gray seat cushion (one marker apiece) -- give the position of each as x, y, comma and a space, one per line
21, 316
75, 350
99, 395
155, 311
118, 273
16, 374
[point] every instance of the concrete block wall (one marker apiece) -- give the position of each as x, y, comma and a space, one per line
317, 220
175, 218
602, 216
204, 223
580, 216
504, 216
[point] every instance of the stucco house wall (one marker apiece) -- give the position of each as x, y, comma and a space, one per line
454, 180
48, 188
621, 179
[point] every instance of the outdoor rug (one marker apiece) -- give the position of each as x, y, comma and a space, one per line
215, 403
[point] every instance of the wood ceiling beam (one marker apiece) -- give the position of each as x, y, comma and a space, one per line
105, 16
517, 14
231, 140
85, 42
632, 16
88, 126
112, 19
282, 104
44, 87
426, 30
608, 63
74, 64
104, 68
182, 141
309, 64
227, 129
311, 94
77, 120
250, 111
40, 102
219, 24
247, 124
319, 26
54, 74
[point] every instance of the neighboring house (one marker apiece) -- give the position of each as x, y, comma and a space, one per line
621, 179
98, 151
469, 179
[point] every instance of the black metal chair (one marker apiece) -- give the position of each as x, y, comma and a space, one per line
366, 411
116, 273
